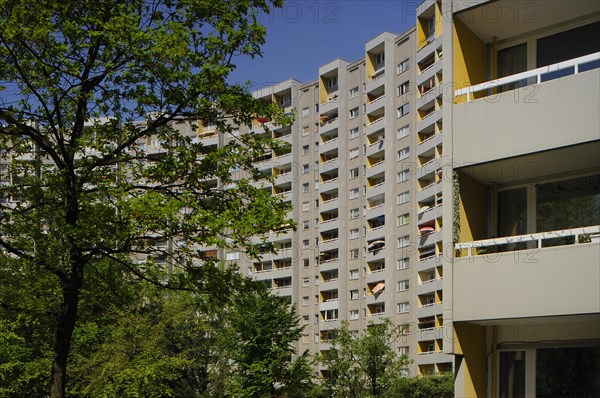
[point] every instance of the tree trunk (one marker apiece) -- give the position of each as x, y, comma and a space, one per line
64, 332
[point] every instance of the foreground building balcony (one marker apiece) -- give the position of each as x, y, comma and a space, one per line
493, 279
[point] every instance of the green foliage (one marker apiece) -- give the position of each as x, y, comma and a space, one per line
441, 386
363, 366
264, 330
86, 85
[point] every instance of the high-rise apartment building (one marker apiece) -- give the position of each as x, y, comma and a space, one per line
448, 180
379, 143
522, 129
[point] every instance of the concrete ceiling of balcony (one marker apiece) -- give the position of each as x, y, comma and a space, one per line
508, 19
535, 166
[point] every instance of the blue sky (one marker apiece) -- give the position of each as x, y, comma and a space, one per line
307, 34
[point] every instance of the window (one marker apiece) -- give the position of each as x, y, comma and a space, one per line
354, 276
354, 113
353, 92
316, 280
332, 82
305, 243
353, 254
305, 130
402, 89
305, 225
402, 198
380, 58
403, 285
316, 108
304, 301
305, 112
403, 307
316, 146
354, 133
354, 294
305, 282
305, 150
403, 219
402, 67
402, 264
354, 173
353, 153
305, 187
305, 168
403, 153
353, 315
354, 213
403, 176
403, 351
305, 262
232, 256
305, 206
354, 233
403, 241
403, 110
305, 319
354, 193
402, 132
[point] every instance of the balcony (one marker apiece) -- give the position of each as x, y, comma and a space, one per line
331, 103
528, 119
376, 101
534, 282
329, 121
376, 124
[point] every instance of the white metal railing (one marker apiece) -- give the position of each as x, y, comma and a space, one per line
377, 164
428, 186
330, 140
376, 271
330, 180
329, 220
428, 67
537, 73
281, 156
329, 160
378, 73
376, 228
286, 174
430, 161
580, 234
427, 139
430, 89
429, 114
376, 99
378, 141
330, 200
376, 206
376, 120
377, 185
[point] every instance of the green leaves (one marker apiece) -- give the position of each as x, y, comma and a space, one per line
363, 366
101, 177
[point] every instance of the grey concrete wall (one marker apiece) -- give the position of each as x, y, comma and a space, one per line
551, 281
549, 115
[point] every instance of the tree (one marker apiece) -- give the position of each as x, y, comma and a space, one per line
82, 193
163, 344
438, 386
364, 365
263, 330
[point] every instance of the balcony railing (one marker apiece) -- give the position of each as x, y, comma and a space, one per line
538, 73
581, 235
